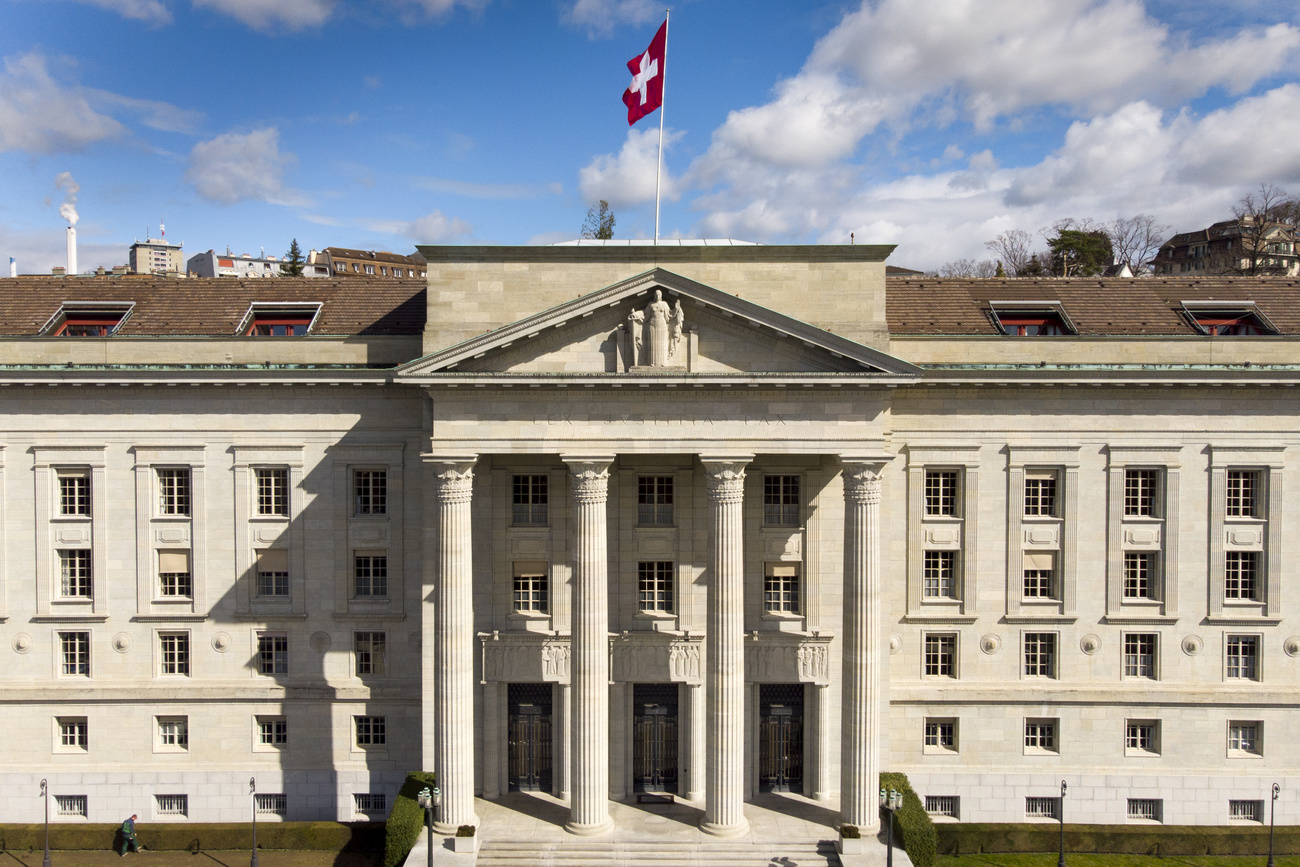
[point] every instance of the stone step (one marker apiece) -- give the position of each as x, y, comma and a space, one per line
512, 853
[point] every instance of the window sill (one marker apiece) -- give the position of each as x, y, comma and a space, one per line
658, 621
172, 519
1141, 754
268, 519
939, 751
780, 621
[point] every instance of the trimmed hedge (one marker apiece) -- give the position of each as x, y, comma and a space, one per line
197, 837
406, 819
913, 829
961, 838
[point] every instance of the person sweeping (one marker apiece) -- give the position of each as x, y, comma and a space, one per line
129, 841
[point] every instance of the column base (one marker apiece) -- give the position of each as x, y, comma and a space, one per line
715, 830
446, 830
581, 830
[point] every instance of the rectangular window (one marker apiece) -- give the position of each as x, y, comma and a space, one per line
1139, 575
1042, 808
1141, 493
1145, 809
174, 491
74, 573
654, 500
74, 650
370, 650
370, 489
531, 588
1243, 738
943, 806
273, 572
1039, 575
272, 491
1243, 494
70, 805
1241, 574
938, 573
1040, 495
271, 805
781, 501
272, 654
370, 804
1142, 736
272, 731
174, 653
1243, 657
531, 496
941, 655
1246, 811
1040, 654
941, 493
172, 805
174, 732
74, 494
1140, 655
370, 576
174, 581
1040, 735
371, 731
655, 586
940, 735
74, 733
781, 589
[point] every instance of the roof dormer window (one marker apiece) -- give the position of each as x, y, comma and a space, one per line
87, 319
278, 320
1227, 318
1031, 319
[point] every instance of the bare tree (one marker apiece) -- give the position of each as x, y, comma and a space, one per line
969, 268
1261, 217
1136, 240
1014, 248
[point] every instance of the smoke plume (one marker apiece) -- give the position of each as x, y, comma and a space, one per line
68, 210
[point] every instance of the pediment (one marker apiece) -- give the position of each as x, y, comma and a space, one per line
657, 324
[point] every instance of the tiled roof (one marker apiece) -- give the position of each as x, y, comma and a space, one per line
215, 307
374, 256
1097, 307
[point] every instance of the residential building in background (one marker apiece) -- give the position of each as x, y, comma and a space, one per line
156, 256
342, 262
212, 264
1239, 246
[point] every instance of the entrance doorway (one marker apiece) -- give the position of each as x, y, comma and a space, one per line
530, 737
654, 737
780, 737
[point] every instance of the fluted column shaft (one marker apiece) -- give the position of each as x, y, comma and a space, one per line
724, 775
453, 637
589, 667
862, 646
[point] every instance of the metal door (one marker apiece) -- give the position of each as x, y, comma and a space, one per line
654, 737
530, 737
780, 737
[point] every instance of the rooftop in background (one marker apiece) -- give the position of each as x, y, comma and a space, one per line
646, 242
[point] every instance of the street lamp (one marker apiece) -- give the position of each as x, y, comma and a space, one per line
891, 801
428, 800
1060, 859
252, 790
45, 796
1272, 812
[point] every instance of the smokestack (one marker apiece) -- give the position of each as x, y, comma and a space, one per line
72, 251
13, 267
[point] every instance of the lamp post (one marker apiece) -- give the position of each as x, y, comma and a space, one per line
252, 792
1060, 859
1272, 812
891, 801
45, 796
428, 800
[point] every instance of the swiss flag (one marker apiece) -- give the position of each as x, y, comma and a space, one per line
646, 92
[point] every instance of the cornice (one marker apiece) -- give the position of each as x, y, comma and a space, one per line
654, 254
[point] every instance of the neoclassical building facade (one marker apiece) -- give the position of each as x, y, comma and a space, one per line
704, 519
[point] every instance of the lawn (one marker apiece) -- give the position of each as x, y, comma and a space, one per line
240, 858
1048, 859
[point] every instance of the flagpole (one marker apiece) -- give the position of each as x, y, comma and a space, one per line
663, 100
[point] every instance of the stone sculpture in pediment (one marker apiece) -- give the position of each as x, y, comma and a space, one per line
655, 334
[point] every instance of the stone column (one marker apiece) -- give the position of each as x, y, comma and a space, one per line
724, 786
494, 740
693, 755
453, 638
562, 741
862, 645
589, 661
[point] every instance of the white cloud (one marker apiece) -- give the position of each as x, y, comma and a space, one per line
150, 11
433, 228
272, 15
39, 115
40, 250
162, 116
439, 8
600, 17
234, 167
487, 191
628, 177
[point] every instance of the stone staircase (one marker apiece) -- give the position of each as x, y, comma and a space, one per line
664, 853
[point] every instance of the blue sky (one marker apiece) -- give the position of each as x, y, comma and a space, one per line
382, 124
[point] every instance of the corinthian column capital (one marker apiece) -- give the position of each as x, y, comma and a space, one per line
590, 477
862, 477
454, 475
725, 476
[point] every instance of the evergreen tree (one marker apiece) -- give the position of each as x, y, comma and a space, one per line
293, 261
599, 224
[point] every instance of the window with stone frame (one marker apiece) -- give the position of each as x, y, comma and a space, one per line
174, 577
74, 573
940, 734
1140, 654
272, 731
370, 651
273, 572
371, 731
1244, 498
1041, 735
532, 585
74, 654
655, 579
654, 500
1039, 576
370, 492
781, 588
74, 493
370, 575
272, 492
174, 653
1040, 494
1244, 738
940, 654
74, 734
1142, 737
1242, 653
1142, 493
272, 653
939, 575
1140, 575
530, 499
781, 501
942, 493
1241, 575
1040, 654
173, 491
173, 732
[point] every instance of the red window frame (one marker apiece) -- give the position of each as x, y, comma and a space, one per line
1032, 326
1244, 325
278, 325
88, 325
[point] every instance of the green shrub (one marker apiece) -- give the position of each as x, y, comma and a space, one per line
197, 837
850, 832
962, 838
406, 819
465, 831
912, 825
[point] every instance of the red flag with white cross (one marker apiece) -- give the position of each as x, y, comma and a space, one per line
646, 92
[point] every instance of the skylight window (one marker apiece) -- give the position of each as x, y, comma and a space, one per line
87, 319
1031, 318
1227, 318
278, 320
